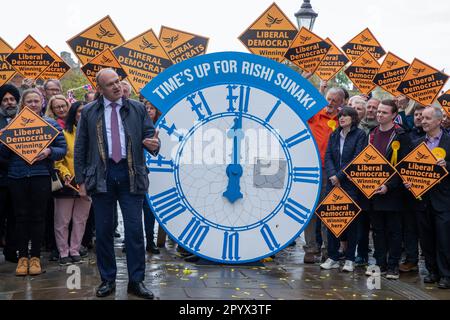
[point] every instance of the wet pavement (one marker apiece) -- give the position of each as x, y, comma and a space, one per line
171, 278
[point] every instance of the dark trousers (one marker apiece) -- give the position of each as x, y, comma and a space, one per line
410, 236
387, 237
7, 222
363, 234
89, 230
49, 237
351, 235
434, 234
118, 189
30, 198
149, 222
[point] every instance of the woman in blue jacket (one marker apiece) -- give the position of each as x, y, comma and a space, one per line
30, 187
345, 143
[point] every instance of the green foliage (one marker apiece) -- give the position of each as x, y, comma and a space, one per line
74, 79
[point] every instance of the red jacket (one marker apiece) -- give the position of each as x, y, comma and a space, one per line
321, 131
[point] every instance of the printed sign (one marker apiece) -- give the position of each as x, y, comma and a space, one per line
422, 83
369, 171
420, 170
391, 73
364, 41
444, 101
29, 58
73, 185
6, 70
106, 59
333, 62
362, 71
307, 50
57, 69
270, 35
96, 38
337, 211
28, 134
142, 58
182, 45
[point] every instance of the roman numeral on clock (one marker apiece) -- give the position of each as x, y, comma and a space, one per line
306, 174
296, 211
230, 250
269, 238
167, 204
194, 234
298, 138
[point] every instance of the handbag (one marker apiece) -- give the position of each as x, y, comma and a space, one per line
56, 182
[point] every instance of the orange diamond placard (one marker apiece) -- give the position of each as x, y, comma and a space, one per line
57, 69
422, 82
337, 211
270, 35
28, 134
182, 45
362, 71
6, 70
30, 59
420, 170
333, 62
307, 50
92, 41
142, 59
364, 41
369, 171
444, 101
391, 73
106, 59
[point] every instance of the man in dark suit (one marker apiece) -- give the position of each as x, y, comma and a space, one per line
9, 101
110, 166
434, 216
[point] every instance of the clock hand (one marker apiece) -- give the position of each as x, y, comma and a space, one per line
234, 170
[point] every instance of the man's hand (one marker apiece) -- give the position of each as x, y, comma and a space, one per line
335, 181
381, 190
323, 86
44, 154
442, 163
152, 144
67, 179
407, 185
82, 192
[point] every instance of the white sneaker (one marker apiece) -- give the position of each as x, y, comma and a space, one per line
348, 266
330, 264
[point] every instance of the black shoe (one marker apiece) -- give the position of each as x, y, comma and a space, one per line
151, 247
83, 251
76, 259
139, 290
431, 278
54, 255
105, 289
444, 283
192, 258
64, 261
116, 234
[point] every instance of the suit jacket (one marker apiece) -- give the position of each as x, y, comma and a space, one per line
439, 195
91, 147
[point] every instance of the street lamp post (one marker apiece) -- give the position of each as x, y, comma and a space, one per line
306, 16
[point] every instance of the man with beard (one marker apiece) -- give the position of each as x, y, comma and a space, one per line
370, 121
9, 99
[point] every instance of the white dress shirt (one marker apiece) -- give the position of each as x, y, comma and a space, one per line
108, 110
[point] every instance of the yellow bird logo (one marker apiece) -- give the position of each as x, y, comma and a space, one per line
170, 40
303, 39
365, 39
390, 64
421, 156
365, 62
336, 198
368, 157
29, 47
147, 45
417, 71
272, 20
105, 59
104, 33
26, 121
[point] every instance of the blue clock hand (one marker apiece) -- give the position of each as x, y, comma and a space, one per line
234, 170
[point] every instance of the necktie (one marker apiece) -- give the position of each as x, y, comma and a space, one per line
115, 137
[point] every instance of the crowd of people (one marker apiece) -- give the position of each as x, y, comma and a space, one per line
99, 164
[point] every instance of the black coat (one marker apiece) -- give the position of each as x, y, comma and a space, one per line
392, 199
354, 143
439, 195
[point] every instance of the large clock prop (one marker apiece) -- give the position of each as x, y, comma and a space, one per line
238, 175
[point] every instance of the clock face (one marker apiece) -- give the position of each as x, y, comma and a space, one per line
238, 174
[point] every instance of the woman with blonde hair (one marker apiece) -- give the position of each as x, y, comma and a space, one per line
58, 108
30, 188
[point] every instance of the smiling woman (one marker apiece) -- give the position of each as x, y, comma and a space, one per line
58, 108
